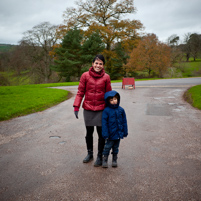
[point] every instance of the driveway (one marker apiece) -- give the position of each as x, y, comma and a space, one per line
41, 154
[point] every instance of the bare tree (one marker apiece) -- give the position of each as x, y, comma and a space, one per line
176, 53
40, 40
186, 48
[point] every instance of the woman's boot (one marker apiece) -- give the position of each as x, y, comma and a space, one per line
89, 142
101, 143
89, 156
114, 160
104, 162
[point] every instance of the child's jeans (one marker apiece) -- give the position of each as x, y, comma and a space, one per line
111, 144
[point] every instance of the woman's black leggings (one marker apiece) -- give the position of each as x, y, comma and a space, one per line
89, 138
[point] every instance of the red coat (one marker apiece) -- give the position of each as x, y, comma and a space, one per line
93, 86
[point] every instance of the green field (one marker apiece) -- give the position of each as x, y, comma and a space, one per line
6, 47
188, 69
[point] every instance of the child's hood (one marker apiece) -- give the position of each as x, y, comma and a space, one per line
111, 94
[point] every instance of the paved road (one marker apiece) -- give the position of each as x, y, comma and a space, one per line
41, 154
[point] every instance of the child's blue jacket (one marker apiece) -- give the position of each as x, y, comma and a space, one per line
114, 122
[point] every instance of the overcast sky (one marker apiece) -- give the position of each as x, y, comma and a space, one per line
162, 17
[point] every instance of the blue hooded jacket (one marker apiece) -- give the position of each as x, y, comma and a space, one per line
114, 122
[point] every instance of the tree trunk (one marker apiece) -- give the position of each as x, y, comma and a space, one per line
187, 57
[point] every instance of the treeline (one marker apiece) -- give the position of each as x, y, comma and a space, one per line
49, 53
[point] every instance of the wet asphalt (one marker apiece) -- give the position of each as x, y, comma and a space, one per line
41, 154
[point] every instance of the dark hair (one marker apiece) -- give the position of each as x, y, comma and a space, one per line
99, 56
116, 96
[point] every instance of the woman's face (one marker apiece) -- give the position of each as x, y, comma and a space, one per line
98, 65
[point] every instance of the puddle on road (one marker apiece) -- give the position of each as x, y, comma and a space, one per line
163, 109
179, 108
55, 137
63, 142
171, 103
159, 98
158, 110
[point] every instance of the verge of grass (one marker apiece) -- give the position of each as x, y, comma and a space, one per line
190, 69
23, 100
193, 96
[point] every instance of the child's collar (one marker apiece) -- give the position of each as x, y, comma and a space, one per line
113, 106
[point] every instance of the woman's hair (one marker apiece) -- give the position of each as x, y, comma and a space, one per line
99, 56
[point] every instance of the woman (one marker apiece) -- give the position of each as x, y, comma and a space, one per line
93, 85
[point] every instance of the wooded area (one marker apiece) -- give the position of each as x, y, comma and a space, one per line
49, 53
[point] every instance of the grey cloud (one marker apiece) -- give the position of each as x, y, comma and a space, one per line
165, 18
162, 17
19, 16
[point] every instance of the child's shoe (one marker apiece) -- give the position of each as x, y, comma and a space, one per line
104, 162
98, 161
114, 160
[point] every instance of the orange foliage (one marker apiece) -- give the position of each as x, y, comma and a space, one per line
104, 16
52, 52
149, 55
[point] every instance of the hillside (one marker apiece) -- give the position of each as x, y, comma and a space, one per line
6, 47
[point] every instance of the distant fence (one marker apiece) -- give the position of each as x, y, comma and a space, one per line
128, 81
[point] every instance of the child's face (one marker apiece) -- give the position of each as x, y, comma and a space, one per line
113, 101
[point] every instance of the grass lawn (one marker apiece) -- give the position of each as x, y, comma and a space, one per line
22, 100
193, 96
191, 68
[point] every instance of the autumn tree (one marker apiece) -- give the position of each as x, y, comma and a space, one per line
40, 40
150, 55
75, 52
106, 16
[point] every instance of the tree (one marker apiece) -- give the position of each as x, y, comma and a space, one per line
107, 17
176, 53
173, 40
186, 47
195, 44
40, 41
150, 55
118, 61
75, 52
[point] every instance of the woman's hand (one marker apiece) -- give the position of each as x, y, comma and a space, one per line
76, 110
76, 114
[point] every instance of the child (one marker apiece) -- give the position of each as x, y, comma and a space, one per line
114, 126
